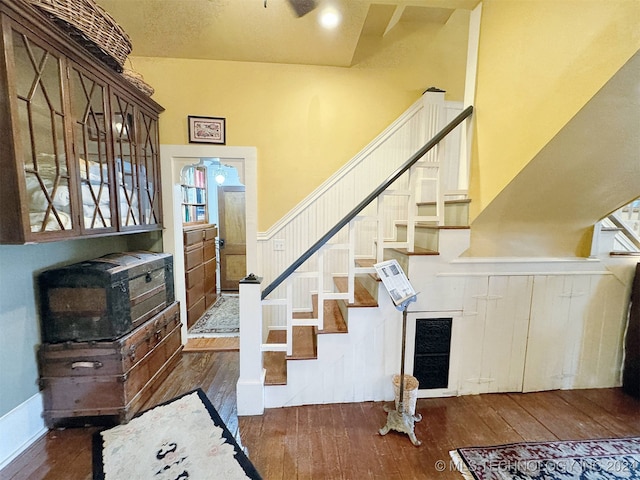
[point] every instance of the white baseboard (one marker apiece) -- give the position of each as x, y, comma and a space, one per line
20, 428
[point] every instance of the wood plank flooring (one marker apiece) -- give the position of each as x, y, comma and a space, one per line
214, 344
341, 441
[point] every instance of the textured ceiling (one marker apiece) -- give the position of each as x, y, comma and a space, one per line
252, 31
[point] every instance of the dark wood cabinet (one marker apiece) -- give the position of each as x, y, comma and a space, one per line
200, 269
79, 153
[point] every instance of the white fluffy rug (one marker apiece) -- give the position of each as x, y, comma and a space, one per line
184, 439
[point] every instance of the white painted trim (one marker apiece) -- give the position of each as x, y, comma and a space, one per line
173, 159
466, 260
20, 428
529, 273
454, 353
466, 140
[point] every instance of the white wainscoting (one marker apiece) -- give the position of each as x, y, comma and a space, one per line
527, 325
19, 428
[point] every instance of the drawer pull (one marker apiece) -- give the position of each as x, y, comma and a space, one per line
94, 365
147, 277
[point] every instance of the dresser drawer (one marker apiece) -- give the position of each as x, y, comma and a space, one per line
193, 258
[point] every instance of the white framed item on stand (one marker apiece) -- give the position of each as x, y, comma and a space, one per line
402, 294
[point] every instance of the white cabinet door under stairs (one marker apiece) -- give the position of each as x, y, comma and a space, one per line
525, 333
493, 334
571, 345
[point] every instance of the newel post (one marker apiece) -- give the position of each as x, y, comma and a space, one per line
250, 386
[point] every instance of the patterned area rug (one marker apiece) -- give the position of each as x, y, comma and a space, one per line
606, 459
221, 320
182, 439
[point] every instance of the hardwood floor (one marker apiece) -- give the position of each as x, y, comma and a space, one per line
341, 441
215, 344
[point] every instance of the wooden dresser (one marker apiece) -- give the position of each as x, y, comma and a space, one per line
200, 269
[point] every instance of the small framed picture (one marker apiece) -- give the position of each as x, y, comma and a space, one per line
206, 130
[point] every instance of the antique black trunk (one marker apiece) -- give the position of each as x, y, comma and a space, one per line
104, 298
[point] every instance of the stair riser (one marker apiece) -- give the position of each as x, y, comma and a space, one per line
403, 260
370, 283
424, 237
456, 214
449, 243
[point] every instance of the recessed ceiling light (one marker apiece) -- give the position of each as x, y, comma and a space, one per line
330, 18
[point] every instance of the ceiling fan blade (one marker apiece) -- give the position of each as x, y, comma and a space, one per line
302, 7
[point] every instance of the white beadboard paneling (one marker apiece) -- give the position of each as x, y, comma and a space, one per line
493, 334
600, 356
507, 323
548, 324
471, 340
559, 320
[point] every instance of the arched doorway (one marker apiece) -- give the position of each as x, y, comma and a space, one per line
174, 158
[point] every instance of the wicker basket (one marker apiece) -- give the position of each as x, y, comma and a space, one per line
136, 79
91, 26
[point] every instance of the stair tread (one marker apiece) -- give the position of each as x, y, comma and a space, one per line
305, 345
275, 364
447, 202
366, 262
436, 227
362, 298
304, 341
333, 320
416, 251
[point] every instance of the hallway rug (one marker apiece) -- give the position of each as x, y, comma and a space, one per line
183, 438
604, 459
221, 320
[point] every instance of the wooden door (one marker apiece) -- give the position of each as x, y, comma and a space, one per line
232, 235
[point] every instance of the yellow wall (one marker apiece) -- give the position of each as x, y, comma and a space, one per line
540, 61
308, 121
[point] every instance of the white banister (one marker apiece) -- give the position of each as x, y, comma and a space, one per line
250, 386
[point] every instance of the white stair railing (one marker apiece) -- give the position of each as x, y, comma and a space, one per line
629, 217
351, 269
407, 182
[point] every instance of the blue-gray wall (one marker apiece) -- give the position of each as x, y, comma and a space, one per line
19, 315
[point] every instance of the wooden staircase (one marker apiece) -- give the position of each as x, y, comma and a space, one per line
305, 338
336, 312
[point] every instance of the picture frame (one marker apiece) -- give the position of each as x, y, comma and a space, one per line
207, 129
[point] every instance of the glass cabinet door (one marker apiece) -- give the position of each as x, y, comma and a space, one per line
42, 142
149, 160
126, 168
91, 134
